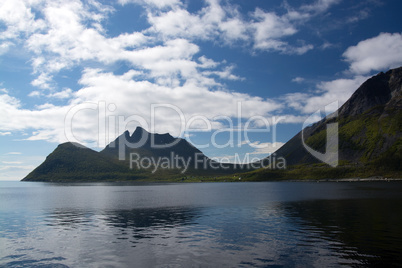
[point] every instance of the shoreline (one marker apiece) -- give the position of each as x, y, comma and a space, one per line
205, 180
369, 179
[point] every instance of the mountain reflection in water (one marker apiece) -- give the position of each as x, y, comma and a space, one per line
211, 224
366, 230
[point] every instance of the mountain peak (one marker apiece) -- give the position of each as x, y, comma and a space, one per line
376, 91
72, 145
140, 129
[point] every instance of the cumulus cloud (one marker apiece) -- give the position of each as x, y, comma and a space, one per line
319, 5
19, 18
161, 72
378, 53
298, 79
64, 94
168, 70
265, 31
338, 90
63, 35
188, 100
131, 98
155, 3
269, 29
265, 148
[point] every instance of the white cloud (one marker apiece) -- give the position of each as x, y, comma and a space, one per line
34, 93
179, 23
62, 35
18, 18
4, 47
266, 148
268, 28
167, 70
378, 53
191, 98
15, 118
43, 81
64, 94
338, 90
298, 79
73, 34
265, 30
12, 162
5, 133
207, 63
225, 74
14, 153
320, 5
154, 3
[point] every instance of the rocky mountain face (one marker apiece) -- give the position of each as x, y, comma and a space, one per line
383, 91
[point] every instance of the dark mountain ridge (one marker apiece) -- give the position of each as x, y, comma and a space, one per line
150, 144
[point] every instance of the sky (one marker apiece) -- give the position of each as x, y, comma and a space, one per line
237, 79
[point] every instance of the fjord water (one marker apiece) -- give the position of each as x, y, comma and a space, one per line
269, 224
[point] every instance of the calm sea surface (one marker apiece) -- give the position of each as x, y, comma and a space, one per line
270, 224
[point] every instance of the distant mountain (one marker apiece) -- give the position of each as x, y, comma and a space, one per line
370, 133
142, 155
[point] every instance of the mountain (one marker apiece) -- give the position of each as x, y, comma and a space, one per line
73, 161
142, 155
369, 135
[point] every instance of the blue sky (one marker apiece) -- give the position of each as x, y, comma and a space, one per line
203, 70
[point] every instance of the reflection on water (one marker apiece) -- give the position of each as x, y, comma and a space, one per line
243, 224
366, 230
132, 224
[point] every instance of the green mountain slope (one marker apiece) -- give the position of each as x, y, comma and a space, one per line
370, 136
